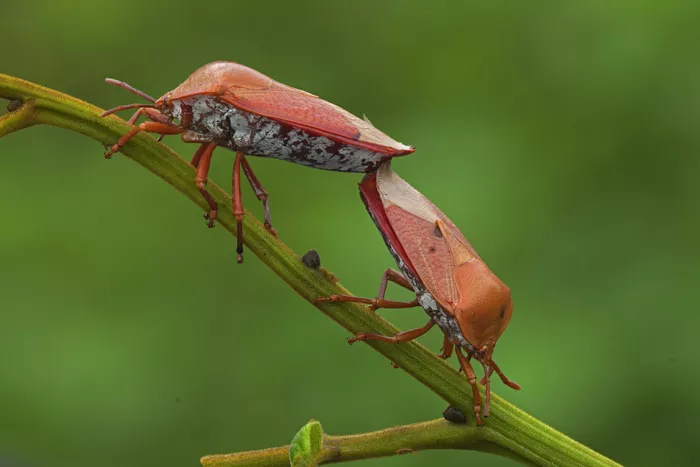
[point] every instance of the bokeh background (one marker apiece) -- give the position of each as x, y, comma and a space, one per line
562, 137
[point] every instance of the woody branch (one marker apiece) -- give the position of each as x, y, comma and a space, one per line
508, 427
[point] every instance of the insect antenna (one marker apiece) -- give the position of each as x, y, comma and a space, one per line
123, 85
126, 107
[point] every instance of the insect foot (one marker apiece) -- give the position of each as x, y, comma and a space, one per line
110, 152
210, 217
359, 337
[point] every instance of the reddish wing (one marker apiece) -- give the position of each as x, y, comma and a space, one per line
431, 243
370, 195
254, 92
315, 115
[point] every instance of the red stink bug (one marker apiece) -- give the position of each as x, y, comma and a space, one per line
454, 286
230, 105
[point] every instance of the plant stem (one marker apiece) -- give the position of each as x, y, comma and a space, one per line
508, 427
406, 439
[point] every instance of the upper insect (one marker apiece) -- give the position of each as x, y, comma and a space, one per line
228, 104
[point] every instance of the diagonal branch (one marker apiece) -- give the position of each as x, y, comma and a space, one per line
399, 440
507, 427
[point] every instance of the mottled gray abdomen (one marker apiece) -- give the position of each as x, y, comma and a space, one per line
255, 135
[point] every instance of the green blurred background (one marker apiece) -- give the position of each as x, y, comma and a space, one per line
562, 137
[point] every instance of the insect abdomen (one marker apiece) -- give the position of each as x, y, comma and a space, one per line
255, 135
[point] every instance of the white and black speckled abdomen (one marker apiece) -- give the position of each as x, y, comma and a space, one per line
255, 135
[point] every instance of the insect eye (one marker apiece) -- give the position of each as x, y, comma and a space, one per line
165, 101
437, 231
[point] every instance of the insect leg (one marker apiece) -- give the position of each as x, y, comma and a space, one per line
198, 155
404, 336
238, 206
150, 113
201, 181
471, 377
447, 349
506, 381
260, 192
394, 276
151, 127
487, 401
486, 376
375, 303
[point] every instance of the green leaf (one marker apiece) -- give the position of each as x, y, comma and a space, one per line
305, 450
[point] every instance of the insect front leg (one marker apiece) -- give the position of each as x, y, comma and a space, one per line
150, 127
151, 114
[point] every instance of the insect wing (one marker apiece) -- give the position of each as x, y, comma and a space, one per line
314, 115
252, 91
431, 242
373, 202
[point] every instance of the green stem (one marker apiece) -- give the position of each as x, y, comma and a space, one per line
406, 439
508, 426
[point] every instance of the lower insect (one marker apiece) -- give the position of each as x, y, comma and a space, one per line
452, 284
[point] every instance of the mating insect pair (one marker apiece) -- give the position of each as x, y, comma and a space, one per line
230, 105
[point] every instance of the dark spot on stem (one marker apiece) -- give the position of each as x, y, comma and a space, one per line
454, 415
503, 311
431, 249
311, 259
14, 105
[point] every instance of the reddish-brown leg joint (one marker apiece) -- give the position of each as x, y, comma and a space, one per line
471, 377
150, 113
375, 303
395, 277
404, 336
201, 181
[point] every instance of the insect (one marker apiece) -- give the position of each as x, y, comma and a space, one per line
454, 286
230, 105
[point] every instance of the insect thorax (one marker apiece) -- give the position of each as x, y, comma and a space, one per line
256, 135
